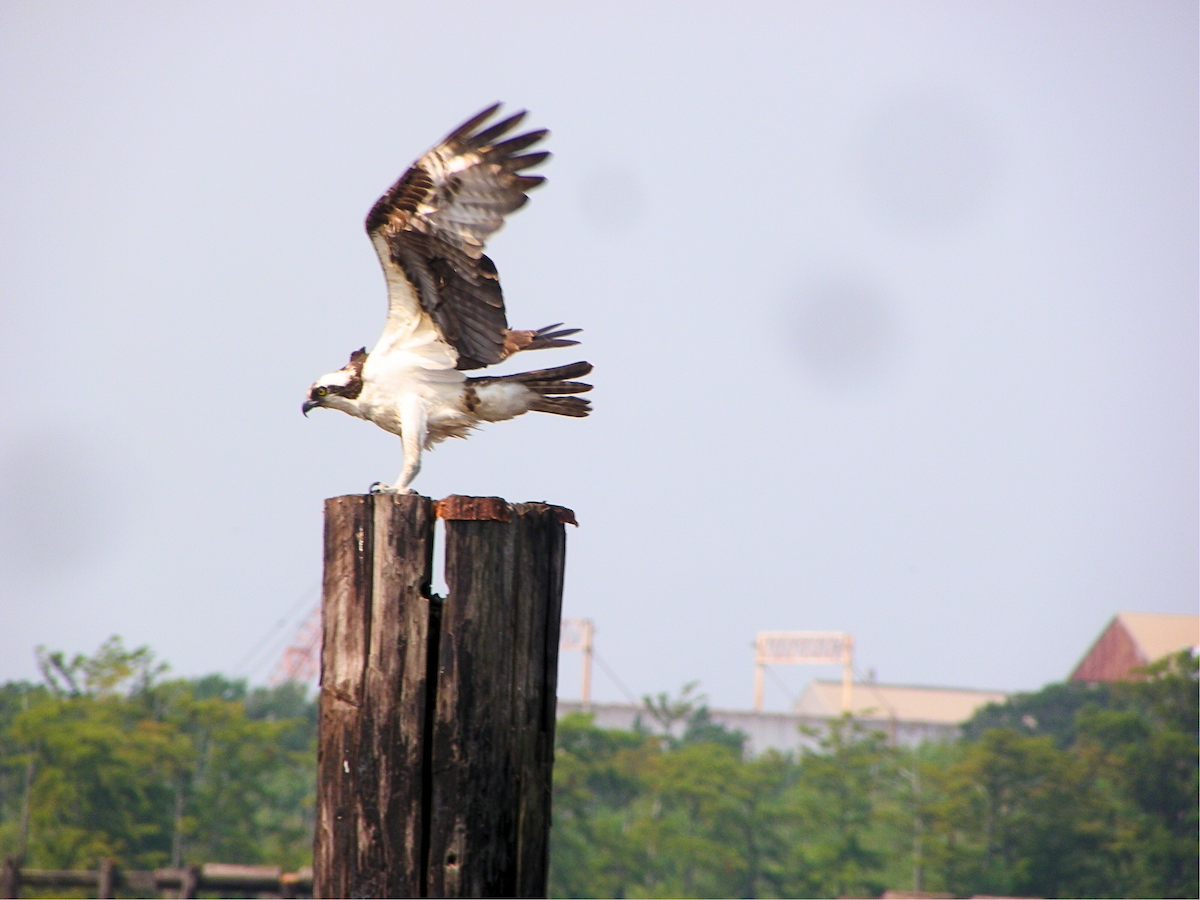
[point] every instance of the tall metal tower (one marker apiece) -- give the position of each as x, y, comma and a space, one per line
301, 661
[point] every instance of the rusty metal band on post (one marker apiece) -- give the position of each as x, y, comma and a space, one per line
457, 508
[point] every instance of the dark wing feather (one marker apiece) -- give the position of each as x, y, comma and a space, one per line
430, 228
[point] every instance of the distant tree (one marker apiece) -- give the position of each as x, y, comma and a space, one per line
687, 713
842, 786
1090, 793
642, 813
667, 712
17, 763
684, 822
1051, 711
701, 729
1020, 817
598, 775
112, 671
151, 771
659, 815
1145, 746
1083, 792
1063, 792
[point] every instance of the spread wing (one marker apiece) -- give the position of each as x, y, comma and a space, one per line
429, 230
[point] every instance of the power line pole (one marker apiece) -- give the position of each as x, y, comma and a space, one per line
578, 634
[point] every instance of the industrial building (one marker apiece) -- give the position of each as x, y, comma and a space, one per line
906, 714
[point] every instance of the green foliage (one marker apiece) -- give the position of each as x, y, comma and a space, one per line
640, 814
1068, 792
842, 786
689, 712
1051, 711
1145, 749
153, 772
1017, 816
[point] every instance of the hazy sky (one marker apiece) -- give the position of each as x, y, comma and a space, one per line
893, 308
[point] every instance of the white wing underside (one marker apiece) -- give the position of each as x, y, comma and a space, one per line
445, 307
410, 338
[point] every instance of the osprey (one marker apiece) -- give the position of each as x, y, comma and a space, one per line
445, 308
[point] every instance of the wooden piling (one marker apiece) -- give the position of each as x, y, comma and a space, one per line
10, 877
437, 715
106, 881
109, 880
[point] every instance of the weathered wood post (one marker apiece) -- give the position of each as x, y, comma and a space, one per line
10, 878
106, 882
437, 715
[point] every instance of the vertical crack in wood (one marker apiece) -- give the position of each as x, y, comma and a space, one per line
433, 643
365, 882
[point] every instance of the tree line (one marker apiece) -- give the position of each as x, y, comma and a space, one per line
1074, 790
108, 758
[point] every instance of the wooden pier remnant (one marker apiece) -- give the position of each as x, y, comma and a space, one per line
109, 880
437, 715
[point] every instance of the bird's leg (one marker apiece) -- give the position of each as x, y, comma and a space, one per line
412, 464
412, 438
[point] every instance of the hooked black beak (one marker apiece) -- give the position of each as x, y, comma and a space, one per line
309, 404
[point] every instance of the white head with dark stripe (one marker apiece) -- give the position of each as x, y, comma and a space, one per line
340, 389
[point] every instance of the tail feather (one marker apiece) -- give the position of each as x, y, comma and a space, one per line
559, 387
548, 386
558, 373
546, 338
562, 406
542, 339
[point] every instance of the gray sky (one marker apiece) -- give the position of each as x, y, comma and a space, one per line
893, 309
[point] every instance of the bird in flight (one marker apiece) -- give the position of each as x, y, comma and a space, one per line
445, 308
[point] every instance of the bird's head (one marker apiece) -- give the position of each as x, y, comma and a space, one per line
340, 389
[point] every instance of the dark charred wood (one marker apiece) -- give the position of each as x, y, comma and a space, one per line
437, 716
376, 610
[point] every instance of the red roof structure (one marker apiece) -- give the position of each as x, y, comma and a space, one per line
1132, 640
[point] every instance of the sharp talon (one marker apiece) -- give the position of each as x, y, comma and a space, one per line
377, 488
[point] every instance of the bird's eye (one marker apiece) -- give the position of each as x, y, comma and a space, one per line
321, 392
